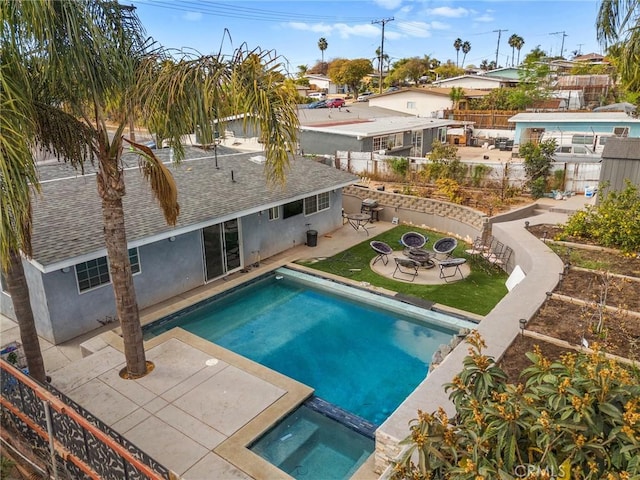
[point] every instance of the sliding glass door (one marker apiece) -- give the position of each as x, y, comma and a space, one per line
221, 249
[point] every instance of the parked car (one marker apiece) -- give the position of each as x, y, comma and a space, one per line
364, 96
318, 104
318, 95
335, 102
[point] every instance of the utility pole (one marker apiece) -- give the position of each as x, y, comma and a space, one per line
383, 22
580, 48
498, 47
563, 35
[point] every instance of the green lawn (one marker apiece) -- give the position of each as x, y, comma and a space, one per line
478, 293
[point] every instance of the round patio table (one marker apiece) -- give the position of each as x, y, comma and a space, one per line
421, 256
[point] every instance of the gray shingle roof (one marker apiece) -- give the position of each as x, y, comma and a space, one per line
68, 217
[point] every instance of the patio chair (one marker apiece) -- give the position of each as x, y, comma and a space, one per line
413, 240
382, 249
406, 266
445, 246
502, 259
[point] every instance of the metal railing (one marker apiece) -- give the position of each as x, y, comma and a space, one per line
78, 444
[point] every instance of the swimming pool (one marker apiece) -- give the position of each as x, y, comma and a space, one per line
361, 351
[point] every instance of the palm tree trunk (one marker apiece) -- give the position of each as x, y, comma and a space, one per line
111, 189
19, 291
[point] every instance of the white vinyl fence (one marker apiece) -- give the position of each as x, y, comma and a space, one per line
577, 175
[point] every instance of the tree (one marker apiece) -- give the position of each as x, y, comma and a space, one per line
618, 22
381, 59
173, 96
488, 65
576, 417
302, 71
457, 44
456, 94
466, 48
323, 45
448, 70
519, 44
535, 55
411, 69
537, 161
18, 176
513, 39
350, 72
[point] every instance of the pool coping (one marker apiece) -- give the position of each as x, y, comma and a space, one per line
235, 448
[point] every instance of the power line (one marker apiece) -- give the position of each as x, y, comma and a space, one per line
383, 22
235, 11
563, 35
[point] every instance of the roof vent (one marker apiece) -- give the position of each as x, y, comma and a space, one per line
259, 159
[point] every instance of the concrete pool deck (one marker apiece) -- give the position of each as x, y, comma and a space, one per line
202, 404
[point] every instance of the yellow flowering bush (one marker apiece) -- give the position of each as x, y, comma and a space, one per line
577, 417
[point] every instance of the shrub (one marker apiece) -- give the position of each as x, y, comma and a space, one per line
399, 166
478, 174
614, 222
537, 164
578, 416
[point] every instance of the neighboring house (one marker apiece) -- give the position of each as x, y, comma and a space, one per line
476, 82
229, 219
423, 102
592, 88
401, 136
511, 73
325, 84
532, 126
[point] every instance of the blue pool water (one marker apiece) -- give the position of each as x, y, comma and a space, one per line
355, 351
308, 445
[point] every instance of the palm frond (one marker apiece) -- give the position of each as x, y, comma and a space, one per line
161, 181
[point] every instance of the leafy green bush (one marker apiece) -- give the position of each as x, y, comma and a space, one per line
576, 418
478, 174
614, 222
537, 161
399, 166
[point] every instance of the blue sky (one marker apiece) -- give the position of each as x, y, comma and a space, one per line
292, 28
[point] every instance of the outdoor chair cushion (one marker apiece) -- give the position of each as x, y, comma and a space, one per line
413, 240
445, 246
382, 249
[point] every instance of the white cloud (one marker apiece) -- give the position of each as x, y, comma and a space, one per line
449, 12
340, 29
440, 26
388, 4
192, 16
486, 18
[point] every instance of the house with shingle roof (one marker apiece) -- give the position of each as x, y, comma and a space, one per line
230, 218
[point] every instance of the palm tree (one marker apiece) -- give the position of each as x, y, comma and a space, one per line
322, 45
18, 176
466, 48
618, 22
173, 96
381, 59
513, 39
519, 44
457, 44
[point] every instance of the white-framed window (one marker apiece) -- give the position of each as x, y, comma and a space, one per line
274, 213
386, 142
442, 134
411, 105
316, 203
93, 273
